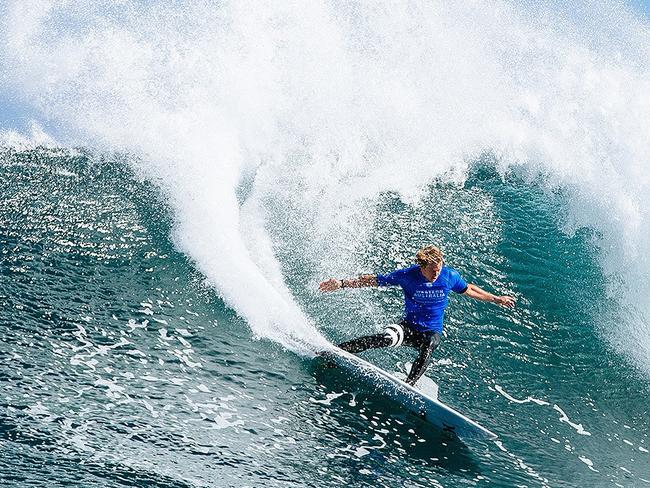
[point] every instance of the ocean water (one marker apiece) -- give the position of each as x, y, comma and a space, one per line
177, 179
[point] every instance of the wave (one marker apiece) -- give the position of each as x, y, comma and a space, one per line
274, 128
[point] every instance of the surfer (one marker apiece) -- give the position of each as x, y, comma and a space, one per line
426, 288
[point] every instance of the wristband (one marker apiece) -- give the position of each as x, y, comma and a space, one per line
342, 284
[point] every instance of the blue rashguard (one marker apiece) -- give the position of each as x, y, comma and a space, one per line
425, 301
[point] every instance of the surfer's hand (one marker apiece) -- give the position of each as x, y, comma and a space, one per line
330, 285
505, 301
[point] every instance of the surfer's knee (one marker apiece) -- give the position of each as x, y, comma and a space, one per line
394, 335
434, 341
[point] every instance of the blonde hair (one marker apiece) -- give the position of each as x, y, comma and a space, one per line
429, 255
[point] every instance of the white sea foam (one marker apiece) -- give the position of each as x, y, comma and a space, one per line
36, 137
515, 400
266, 119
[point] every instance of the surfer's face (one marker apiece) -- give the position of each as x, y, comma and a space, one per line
432, 271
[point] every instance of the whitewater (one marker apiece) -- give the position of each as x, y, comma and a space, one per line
351, 100
291, 142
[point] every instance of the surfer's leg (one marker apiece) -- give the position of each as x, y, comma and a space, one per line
366, 342
393, 336
426, 347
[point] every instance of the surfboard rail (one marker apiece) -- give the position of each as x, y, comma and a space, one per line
429, 409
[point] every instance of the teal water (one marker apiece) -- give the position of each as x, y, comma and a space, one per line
121, 366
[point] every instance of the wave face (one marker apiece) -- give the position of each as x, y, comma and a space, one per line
274, 130
119, 363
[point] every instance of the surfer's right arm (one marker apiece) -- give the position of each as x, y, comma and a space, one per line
362, 281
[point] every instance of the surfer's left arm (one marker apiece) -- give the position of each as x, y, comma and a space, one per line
477, 293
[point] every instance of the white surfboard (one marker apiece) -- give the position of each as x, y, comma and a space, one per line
427, 407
